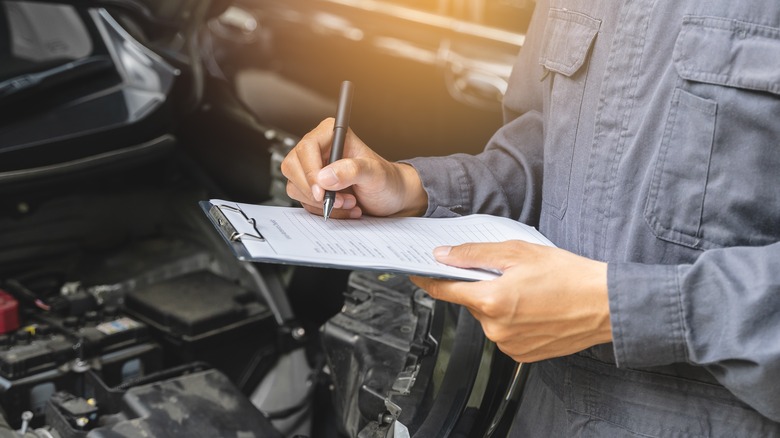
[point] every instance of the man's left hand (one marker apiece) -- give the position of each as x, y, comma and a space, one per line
548, 302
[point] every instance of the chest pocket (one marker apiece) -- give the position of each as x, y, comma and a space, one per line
716, 180
568, 38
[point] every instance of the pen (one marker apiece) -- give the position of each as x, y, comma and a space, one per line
339, 135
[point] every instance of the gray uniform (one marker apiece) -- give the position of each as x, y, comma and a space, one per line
646, 133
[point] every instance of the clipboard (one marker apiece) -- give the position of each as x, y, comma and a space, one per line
291, 235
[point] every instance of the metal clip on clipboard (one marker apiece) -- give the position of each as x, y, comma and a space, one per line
228, 229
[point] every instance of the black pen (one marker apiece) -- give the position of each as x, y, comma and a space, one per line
339, 135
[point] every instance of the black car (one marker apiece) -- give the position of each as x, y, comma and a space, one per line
123, 313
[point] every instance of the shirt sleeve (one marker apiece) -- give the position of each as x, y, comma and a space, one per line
504, 180
721, 312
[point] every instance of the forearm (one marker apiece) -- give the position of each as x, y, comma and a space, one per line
719, 312
504, 180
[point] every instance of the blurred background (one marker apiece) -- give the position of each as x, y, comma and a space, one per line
123, 313
429, 74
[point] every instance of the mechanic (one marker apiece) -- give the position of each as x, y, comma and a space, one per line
642, 138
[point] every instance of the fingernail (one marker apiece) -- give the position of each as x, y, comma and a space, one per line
327, 177
441, 251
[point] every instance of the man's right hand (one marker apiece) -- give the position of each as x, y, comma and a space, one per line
365, 182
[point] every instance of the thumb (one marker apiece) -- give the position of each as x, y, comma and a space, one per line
340, 174
348, 172
490, 256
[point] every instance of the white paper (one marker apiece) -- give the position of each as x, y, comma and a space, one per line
293, 235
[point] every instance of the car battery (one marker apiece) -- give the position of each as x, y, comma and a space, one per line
50, 353
201, 316
195, 404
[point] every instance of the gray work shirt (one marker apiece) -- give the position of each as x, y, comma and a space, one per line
646, 134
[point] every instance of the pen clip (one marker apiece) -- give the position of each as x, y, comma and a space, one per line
228, 229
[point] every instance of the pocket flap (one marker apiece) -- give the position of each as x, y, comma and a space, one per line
729, 52
568, 37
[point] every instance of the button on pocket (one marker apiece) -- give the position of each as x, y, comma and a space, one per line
568, 38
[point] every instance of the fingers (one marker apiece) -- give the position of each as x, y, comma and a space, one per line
348, 172
458, 292
474, 295
498, 256
305, 170
548, 302
344, 207
344, 200
305, 160
336, 213
488, 256
361, 178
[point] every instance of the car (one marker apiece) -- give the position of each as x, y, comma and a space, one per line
429, 75
123, 312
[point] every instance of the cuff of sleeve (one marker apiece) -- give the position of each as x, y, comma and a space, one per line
444, 180
645, 305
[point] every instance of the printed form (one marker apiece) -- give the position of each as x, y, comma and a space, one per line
295, 236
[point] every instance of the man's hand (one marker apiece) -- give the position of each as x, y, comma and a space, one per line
547, 303
365, 182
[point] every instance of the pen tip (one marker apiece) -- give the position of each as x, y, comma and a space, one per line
327, 206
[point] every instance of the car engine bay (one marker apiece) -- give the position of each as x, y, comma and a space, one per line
122, 311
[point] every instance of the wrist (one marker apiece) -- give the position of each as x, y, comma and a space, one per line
415, 198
